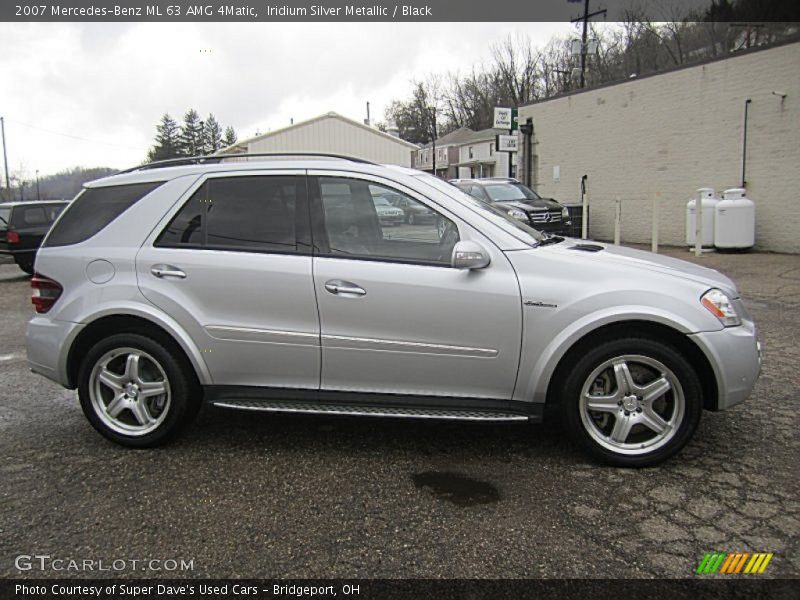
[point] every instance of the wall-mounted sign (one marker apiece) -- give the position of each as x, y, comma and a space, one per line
505, 118
507, 143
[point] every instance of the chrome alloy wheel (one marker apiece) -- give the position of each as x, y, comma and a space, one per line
632, 404
129, 391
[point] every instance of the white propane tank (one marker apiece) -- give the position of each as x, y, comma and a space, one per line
709, 203
735, 221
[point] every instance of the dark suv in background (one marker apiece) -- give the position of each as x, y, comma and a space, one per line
520, 202
23, 226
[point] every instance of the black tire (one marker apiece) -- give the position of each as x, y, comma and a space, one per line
184, 392
25, 262
584, 427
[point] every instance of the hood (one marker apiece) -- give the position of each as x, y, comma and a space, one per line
648, 261
527, 205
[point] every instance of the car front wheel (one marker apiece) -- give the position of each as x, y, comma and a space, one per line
632, 402
135, 391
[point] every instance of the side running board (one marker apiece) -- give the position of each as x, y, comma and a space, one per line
372, 411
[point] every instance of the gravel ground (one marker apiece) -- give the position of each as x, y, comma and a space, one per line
246, 495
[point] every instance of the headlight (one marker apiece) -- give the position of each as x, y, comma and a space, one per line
518, 214
719, 305
564, 213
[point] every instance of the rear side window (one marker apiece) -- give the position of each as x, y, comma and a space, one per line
5, 215
33, 215
94, 209
251, 214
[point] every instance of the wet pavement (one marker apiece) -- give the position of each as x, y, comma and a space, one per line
246, 495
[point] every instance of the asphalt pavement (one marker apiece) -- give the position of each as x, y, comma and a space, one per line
273, 496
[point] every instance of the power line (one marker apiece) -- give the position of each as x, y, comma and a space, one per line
74, 137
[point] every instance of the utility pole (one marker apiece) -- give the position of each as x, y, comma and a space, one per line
433, 114
5, 156
38, 196
584, 38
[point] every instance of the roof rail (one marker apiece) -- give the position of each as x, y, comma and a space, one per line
218, 158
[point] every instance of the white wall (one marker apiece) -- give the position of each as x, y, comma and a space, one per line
336, 136
667, 135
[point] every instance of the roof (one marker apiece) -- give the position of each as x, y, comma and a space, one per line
485, 134
167, 173
14, 203
453, 138
328, 115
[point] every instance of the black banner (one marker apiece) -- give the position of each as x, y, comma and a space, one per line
726, 588
344, 10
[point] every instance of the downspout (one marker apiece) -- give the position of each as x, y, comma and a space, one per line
744, 142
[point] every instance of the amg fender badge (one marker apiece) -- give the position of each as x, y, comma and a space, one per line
540, 304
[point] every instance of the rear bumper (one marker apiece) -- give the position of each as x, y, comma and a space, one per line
48, 342
735, 355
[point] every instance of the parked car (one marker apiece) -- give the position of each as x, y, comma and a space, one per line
23, 225
415, 213
165, 286
520, 202
387, 213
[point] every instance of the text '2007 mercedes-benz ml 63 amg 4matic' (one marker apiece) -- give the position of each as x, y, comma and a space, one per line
275, 284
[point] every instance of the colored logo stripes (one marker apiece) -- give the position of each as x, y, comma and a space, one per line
734, 563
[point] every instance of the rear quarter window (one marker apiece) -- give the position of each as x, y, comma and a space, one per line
93, 209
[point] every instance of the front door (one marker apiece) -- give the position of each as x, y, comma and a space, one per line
233, 267
395, 316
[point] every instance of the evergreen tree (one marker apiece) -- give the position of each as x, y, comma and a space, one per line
212, 135
167, 143
229, 139
191, 136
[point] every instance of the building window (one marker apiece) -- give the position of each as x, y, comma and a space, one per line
471, 154
491, 149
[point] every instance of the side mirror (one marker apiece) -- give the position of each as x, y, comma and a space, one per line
470, 255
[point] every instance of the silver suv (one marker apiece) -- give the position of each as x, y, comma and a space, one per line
276, 285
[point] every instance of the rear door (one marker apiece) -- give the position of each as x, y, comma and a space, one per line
231, 263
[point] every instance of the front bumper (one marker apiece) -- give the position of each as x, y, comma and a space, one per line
48, 342
735, 356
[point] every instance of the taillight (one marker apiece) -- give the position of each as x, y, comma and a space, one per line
12, 237
45, 292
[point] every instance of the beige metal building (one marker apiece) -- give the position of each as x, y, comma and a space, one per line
330, 133
659, 138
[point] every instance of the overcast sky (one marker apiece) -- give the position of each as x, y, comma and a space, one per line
110, 83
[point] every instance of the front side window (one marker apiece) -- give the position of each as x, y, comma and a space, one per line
369, 221
256, 214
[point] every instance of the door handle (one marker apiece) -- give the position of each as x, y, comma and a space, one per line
167, 271
337, 286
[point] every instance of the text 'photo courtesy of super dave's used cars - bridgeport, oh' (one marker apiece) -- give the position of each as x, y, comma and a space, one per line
331, 285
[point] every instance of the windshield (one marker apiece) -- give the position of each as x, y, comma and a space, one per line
516, 228
505, 192
5, 214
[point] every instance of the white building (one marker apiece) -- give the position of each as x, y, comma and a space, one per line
465, 154
330, 133
659, 138
478, 156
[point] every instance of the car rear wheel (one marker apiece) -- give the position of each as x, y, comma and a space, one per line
135, 391
632, 402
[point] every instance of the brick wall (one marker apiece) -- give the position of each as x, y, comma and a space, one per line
662, 137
